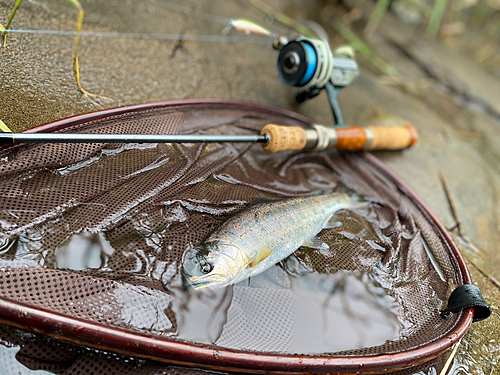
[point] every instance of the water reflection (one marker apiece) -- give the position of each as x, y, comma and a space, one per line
307, 313
82, 251
10, 365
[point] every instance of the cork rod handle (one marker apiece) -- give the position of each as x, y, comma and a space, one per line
391, 138
353, 138
284, 138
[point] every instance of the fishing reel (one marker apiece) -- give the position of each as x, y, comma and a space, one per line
310, 65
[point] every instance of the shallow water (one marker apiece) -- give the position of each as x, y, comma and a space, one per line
11, 366
306, 313
290, 308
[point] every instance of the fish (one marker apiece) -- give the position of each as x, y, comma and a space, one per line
259, 237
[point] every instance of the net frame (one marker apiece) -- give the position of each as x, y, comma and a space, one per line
99, 336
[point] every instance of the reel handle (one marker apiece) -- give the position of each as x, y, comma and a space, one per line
353, 138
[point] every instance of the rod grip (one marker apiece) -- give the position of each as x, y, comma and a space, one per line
284, 138
390, 138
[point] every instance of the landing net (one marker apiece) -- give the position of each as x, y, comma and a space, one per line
92, 237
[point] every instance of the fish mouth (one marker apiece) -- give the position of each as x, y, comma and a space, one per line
206, 281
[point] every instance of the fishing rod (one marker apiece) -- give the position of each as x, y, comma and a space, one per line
303, 62
273, 138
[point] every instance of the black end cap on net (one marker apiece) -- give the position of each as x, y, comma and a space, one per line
466, 296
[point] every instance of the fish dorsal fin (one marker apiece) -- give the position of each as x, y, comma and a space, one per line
260, 199
263, 254
315, 243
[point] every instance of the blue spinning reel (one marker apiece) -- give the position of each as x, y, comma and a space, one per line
310, 65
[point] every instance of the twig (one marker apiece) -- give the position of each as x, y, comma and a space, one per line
76, 66
444, 371
492, 279
457, 227
451, 203
179, 44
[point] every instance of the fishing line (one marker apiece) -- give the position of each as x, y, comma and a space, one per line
187, 37
227, 22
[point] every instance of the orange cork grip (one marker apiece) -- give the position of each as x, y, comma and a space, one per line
352, 138
284, 138
392, 138
356, 138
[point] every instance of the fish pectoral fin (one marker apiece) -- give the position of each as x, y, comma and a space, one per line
332, 222
263, 254
315, 243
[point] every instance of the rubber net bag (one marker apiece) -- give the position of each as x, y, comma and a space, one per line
92, 237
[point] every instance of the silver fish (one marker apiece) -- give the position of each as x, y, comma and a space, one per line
259, 237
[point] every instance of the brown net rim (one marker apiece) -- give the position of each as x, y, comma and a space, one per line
99, 336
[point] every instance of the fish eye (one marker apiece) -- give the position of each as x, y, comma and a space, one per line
206, 267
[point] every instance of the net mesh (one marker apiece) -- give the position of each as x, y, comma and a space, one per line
97, 232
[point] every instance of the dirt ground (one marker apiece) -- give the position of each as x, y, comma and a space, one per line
457, 113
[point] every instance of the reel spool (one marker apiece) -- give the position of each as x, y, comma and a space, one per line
305, 63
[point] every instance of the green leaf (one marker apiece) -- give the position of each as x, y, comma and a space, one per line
4, 127
376, 16
436, 16
362, 48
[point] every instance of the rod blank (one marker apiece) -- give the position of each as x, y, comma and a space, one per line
6, 138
